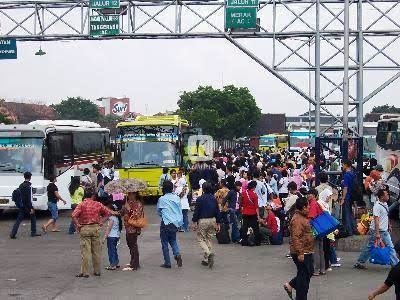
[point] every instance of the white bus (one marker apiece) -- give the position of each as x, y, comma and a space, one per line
388, 151
45, 148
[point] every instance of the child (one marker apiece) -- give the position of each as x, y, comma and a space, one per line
112, 235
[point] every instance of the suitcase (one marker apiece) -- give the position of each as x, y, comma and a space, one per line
223, 234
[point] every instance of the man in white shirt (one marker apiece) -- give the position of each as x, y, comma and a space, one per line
262, 191
378, 231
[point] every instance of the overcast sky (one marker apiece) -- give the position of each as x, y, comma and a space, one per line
153, 73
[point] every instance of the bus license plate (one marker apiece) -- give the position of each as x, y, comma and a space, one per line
4, 201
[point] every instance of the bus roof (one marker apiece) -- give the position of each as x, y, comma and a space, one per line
173, 120
273, 135
67, 123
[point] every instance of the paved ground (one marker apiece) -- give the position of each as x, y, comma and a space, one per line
45, 268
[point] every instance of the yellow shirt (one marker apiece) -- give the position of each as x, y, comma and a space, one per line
78, 195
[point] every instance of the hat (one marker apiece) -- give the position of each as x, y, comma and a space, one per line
397, 246
379, 168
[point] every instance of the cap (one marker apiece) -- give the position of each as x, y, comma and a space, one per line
379, 168
397, 246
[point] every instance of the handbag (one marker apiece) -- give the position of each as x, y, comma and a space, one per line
324, 224
139, 222
380, 254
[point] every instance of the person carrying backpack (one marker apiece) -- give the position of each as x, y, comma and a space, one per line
22, 197
351, 193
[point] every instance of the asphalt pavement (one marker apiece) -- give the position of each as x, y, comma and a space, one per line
45, 268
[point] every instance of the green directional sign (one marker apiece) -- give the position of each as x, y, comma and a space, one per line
241, 3
241, 17
8, 49
104, 25
104, 4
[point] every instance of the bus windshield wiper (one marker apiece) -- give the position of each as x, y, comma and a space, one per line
147, 163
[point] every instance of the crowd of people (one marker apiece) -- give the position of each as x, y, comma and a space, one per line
249, 198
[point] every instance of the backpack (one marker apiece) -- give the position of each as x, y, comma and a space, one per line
16, 197
223, 234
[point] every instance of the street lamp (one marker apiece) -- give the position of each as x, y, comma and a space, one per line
40, 52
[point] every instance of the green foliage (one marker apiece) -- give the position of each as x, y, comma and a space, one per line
77, 108
223, 114
386, 109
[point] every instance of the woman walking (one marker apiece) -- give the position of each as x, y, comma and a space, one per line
132, 210
77, 194
53, 197
301, 250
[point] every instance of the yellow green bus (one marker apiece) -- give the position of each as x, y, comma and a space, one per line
273, 142
148, 144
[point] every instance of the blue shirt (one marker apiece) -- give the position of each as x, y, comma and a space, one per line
348, 178
169, 208
206, 208
114, 232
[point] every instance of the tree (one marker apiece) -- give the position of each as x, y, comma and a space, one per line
6, 117
386, 109
77, 108
223, 114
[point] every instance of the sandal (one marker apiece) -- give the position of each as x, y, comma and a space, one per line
80, 275
317, 274
288, 291
110, 268
127, 269
322, 273
56, 230
44, 229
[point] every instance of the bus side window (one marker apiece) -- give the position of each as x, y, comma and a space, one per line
60, 152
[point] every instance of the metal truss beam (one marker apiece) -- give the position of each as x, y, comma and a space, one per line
307, 37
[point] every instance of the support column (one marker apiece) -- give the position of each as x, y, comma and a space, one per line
346, 42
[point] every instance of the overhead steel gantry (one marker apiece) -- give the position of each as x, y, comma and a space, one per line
304, 41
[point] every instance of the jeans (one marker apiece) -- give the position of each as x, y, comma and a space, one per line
168, 236
185, 226
348, 220
21, 214
233, 220
72, 228
112, 251
332, 255
301, 282
386, 239
53, 209
318, 257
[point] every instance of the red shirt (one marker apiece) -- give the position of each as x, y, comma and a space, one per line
271, 222
315, 209
249, 203
90, 212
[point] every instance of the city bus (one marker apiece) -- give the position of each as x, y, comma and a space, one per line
273, 142
301, 139
388, 152
147, 145
45, 148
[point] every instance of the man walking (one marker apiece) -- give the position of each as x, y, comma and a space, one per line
87, 218
206, 219
347, 201
378, 230
169, 208
24, 205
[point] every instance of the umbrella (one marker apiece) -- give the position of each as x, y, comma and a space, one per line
125, 186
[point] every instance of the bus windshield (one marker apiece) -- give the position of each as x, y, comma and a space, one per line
267, 141
151, 154
21, 155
